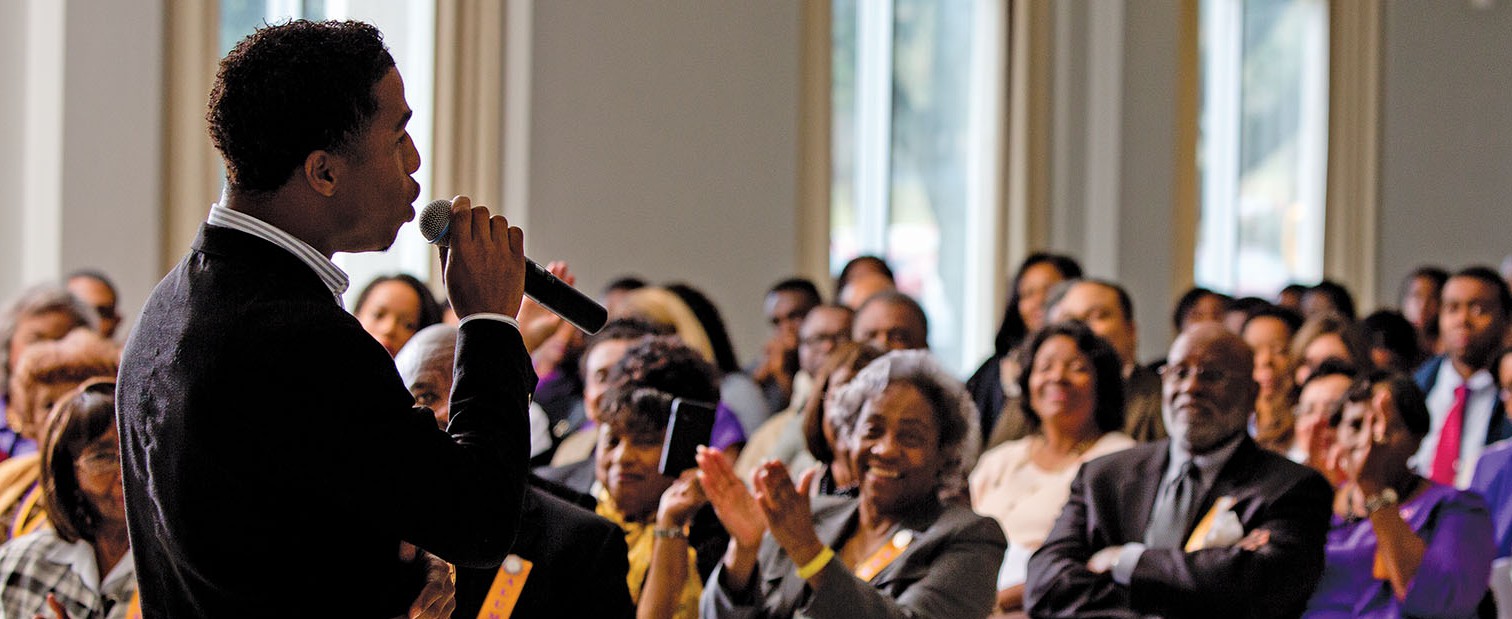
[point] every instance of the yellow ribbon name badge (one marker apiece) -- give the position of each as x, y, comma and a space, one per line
134, 609
1198, 540
885, 555
504, 593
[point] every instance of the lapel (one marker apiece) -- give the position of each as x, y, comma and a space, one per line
1147, 487
922, 523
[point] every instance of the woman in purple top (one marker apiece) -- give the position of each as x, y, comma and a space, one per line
1401, 545
1493, 471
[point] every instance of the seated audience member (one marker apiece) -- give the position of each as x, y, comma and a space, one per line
1493, 480
1321, 397
1239, 311
738, 395
600, 352
40, 313
828, 430
785, 306
45, 372
1400, 545
393, 308
572, 562
906, 547
1290, 297
1073, 388
891, 320
862, 266
1203, 522
1327, 336
425, 364
825, 328
1465, 414
1268, 332
1199, 305
673, 542
1392, 341
615, 291
1328, 297
1419, 298
95, 290
1105, 307
83, 560
737, 390
994, 385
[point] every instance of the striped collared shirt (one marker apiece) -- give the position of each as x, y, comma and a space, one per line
331, 275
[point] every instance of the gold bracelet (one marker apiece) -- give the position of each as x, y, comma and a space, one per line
817, 563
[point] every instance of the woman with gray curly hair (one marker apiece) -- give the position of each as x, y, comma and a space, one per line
905, 548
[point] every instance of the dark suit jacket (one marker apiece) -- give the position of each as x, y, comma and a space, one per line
1110, 504
1500, 427
579, 565
270, 451
950, 570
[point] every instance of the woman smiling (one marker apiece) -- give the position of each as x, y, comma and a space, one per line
904, 548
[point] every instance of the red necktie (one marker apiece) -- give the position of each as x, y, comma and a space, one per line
1449, 439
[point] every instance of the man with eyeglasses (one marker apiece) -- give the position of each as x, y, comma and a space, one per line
781, 437
891, 320
1201, 523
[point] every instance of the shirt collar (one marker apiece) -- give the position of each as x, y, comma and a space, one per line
1451, 378
331, 275
79, 557
1210, 463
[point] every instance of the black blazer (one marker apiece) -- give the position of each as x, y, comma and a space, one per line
1110, 504
271, 453
579, 561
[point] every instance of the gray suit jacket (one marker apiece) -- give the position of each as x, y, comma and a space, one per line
950, 570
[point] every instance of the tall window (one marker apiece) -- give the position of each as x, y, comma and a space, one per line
916, 94
409, 28
1263, 146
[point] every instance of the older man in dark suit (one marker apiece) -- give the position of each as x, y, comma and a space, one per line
273, 461
1201, 524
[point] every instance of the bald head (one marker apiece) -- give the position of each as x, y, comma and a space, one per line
425, 364
1208, 387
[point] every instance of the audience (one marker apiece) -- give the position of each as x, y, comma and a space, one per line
41, 313
1202, 521
1465, 414
1493, 480
561, 550
1399, 545
1328, 297
737, 390
615, 291
861, 278
1290, 297
1327, 336
1419, 297
1105, 307
82, 563
1268, 332
96, 290
44, 374
785, 306
993, 384
600, 354
1199, 305
1392, 341
1321, 397
903, 548
393, 308
1074, 406
891, 320
824, 329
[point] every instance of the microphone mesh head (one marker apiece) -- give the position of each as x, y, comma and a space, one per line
435, 220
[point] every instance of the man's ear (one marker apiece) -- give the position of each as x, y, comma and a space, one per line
321, 169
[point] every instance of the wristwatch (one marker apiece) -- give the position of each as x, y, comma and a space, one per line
1385, 498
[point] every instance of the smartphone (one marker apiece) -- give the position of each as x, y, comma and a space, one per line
690, 425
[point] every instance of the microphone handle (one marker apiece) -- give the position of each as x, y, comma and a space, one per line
563, 300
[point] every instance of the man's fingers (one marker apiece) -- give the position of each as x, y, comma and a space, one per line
481, 224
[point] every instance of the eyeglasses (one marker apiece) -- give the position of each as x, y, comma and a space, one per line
99, 463
824, 339
1181, 373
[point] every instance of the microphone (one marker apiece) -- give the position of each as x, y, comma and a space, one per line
552, 293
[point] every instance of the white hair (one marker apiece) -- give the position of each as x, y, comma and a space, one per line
846, 403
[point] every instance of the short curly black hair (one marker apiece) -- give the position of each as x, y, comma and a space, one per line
657, 365
292, 89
